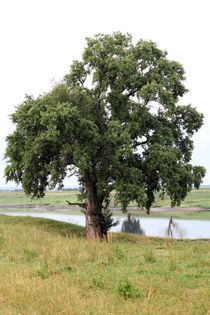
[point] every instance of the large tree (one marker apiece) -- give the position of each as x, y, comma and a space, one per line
116, 122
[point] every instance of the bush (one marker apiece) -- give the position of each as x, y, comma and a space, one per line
127, 290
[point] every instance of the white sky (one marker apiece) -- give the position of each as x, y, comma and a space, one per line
40, 39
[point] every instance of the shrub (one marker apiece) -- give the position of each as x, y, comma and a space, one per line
127, 290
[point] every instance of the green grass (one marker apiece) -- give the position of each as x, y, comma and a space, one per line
63, 228
51, 198
46, 267
196, 198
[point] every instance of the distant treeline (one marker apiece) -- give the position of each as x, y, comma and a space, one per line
63, 189
20, 189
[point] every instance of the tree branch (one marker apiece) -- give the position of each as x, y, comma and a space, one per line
137, 143
82, 205
98, 97
132, 92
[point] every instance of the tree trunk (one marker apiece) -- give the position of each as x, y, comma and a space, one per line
95, 225
94, 229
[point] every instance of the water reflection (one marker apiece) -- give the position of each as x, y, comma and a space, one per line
174, 230
171, 228
132, 226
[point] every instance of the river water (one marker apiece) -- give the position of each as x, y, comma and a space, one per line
187, 229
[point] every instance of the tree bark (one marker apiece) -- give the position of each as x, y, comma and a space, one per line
95, 225
94, 229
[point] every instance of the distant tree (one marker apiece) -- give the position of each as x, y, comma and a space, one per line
115, 122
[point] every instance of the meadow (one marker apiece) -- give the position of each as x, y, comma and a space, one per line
195, 206
47, 267
196, 198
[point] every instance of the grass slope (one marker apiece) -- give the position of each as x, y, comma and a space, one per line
46, 267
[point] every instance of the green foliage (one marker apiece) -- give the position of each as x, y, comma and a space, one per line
107, 219
44, 272
127, 290
115, 122
98, 282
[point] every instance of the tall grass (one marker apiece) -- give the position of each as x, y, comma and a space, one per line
45, 270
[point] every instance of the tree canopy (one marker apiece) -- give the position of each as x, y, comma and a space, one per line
114, 120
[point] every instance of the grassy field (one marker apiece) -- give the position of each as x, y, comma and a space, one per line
51, 198
199, 199
196, 198
46, 267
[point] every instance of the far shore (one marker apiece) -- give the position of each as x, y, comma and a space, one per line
69, 208
161, 212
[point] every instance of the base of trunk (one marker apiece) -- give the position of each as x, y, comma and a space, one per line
95, 228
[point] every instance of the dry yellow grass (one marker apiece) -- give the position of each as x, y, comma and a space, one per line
45, 273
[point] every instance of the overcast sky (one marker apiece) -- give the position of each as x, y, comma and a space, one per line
40, 39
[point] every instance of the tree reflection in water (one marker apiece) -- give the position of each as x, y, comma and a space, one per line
132, 226
172, 228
